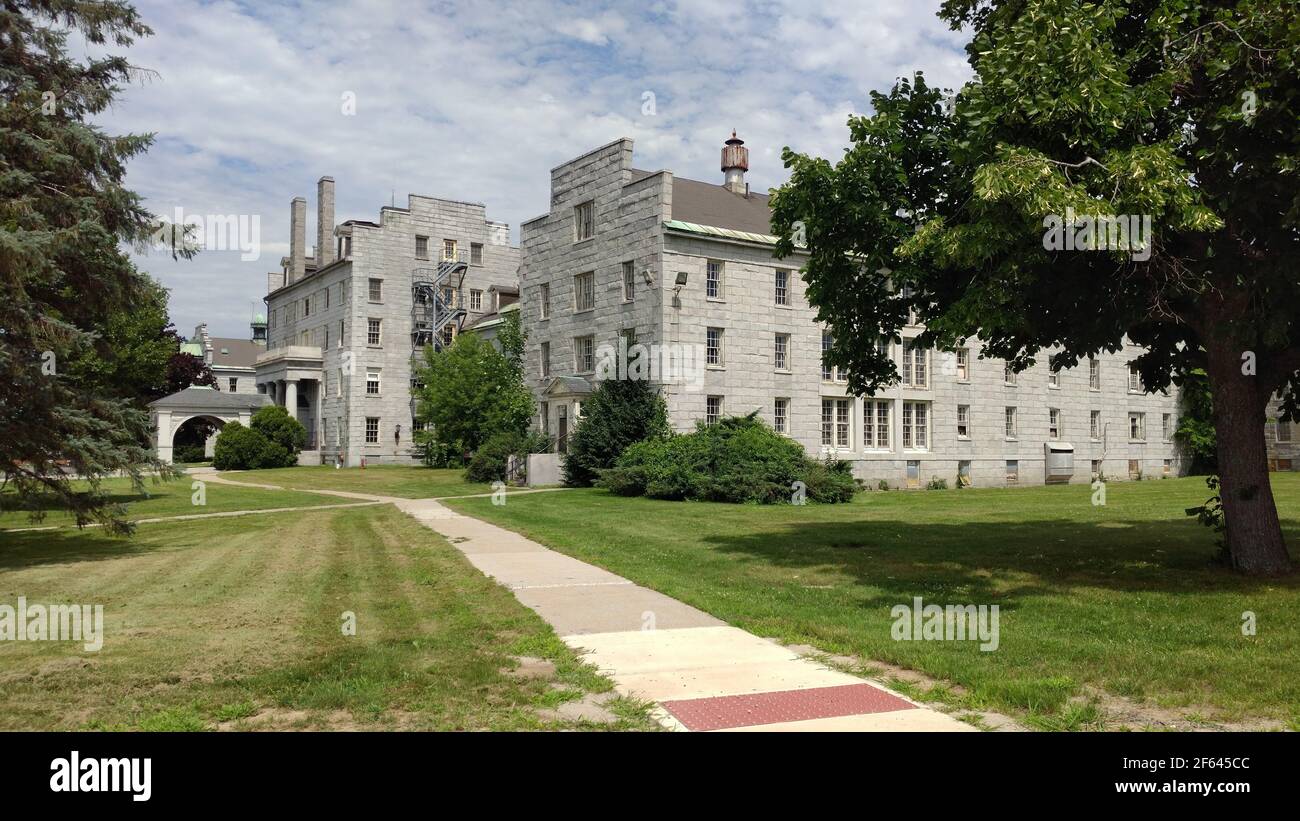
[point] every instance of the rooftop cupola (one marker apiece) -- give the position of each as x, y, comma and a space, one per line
735, 162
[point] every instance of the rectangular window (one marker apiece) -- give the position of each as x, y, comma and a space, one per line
1283, 430
306, 306
781, 352
476, 253
713, 347
584, 221
913, 473
1013, 471
546, 359
963, 421
448, 334
338, 384
584, 291
1094, 425
916, 428
781, 416
475, 299
1094, 373
1054, 423
325, 333
340, 340
372, 430
584, 353
782, 295
421, 247
234, 384
1134, 379
835, 423
1053, 378
372, 331
1011, 426
712, 410
1096, 468
1134, 469
1168, 467
544, 299
915, 360
545, 416
1008, 375
372, 383
827, 341
713, 279
1167, 427
963, 474
449, 250
376, 290
963, 364
629, 281
875, 424
1137, 427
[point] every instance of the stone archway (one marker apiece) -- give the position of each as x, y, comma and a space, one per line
171, 413
198, 431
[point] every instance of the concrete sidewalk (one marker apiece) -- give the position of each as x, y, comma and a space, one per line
702, 673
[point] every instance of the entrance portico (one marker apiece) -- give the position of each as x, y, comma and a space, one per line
291, 377
170, 414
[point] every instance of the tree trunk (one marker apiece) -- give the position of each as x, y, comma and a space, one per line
1254, 534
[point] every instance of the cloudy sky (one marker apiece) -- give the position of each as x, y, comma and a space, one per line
478, 101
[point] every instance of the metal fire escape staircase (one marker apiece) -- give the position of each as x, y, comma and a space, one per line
437, 303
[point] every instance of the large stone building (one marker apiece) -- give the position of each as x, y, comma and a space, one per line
232, 361
686, 268
345, 322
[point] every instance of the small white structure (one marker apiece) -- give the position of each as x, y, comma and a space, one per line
170, 414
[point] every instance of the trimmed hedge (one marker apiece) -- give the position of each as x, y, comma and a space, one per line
738, 459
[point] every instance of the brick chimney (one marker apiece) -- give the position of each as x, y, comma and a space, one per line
735, 162
297, 239
324, 222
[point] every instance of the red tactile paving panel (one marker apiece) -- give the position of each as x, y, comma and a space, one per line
725, 712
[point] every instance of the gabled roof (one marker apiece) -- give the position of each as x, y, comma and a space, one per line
239, 353
704, 203
209, 399
568, 385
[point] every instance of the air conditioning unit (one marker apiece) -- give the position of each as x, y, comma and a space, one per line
1059, 458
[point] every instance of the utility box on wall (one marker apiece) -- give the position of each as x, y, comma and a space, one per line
1059, 459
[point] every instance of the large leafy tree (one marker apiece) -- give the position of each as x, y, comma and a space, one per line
471, 391
1183, 110
136, 353
64, 221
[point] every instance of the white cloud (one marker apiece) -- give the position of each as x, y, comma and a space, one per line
477, 101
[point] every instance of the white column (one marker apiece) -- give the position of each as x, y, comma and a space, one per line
163, 440
291, 397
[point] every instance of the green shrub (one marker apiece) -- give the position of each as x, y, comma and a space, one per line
241, 448
275, 423
883, 484
936, 483
189, 453
489, 462
618, 414
738, 459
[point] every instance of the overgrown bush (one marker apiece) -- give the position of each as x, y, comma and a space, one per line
489, 462
241, 448
936, 483
619, 413
275, 423
738, 459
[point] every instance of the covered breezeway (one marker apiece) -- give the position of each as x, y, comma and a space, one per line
198, 413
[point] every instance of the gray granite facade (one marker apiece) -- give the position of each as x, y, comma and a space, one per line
347, 324
650, 233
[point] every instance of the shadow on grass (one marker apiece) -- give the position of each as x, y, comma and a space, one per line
1003, 560
36, 548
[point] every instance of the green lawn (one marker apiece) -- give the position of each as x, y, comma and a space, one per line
170, 498
212, 624
1117, 600
407, 482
